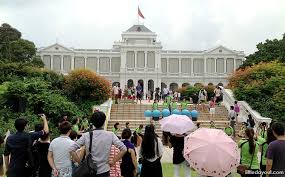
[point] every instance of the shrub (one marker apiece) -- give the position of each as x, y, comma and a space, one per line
81, 85
263, 87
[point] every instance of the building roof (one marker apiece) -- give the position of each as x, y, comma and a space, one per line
138, 28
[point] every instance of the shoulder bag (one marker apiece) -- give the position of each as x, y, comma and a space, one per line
241, 169
87, 168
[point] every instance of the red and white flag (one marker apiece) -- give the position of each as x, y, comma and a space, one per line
140, 13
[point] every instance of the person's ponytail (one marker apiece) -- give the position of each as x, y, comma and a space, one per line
250, 134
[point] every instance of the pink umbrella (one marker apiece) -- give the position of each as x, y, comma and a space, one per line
211, 152
177, 124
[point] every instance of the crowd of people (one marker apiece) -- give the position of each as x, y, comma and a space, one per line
131, 153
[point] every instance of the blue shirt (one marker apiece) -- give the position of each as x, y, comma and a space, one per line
16, 146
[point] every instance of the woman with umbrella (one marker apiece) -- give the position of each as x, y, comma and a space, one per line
177, 143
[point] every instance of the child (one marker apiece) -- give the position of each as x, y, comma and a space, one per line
184, 104
174, 104
212, 124
232, 119
155, 105
236, 108
229, 130
129, 160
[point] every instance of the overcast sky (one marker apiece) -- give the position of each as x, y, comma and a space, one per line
179, 24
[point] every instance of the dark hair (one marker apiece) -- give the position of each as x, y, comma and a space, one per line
116, 124
45, 136
1, 139
98, 119
20, 124
235, 102
278, 128
198, 124
250, 134
64, 127
127, 123
148, 143
39, 127
270, 136
232, 107
141, 126
126, 134
249, 116
74, 121
73, 135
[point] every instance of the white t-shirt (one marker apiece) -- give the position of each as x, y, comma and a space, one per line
116, 90
165, 91
60, 149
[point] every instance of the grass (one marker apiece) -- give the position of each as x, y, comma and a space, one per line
168, 171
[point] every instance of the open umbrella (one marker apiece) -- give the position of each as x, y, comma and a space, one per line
211, 152
177, 124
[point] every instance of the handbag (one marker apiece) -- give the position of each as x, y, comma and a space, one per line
241, 169
87, 168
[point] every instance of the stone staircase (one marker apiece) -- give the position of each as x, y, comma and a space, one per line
134, 114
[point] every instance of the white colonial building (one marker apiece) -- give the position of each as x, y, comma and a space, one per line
139, 57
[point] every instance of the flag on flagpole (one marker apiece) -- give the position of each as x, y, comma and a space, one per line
140, 13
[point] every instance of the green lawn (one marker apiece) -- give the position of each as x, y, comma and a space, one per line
167, 169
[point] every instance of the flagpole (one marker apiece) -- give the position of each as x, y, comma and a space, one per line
138, 16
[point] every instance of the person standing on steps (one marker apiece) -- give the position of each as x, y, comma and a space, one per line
232, 119
139, 91
116, 93
212, 105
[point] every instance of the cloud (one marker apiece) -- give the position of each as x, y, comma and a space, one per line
181, 24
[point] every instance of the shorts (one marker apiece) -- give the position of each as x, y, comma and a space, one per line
139, 96
212, 110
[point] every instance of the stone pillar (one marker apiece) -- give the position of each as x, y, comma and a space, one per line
85, 61
215, 66
157, 59
98, 64
225, 65
167, 65
61, 64
205, 66
235, 64
51, 62
72, 62
192, 66
145, 59
136, 59
110, 65
179, 67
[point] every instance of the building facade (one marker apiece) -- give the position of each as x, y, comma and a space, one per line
139, 57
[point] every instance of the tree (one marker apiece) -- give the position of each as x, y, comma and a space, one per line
266, 52
15, 49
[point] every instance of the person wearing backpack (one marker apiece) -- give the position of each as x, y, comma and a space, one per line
129, 160
248, 152
101, 146
17, 153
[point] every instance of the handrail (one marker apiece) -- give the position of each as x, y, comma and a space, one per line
106, 108
245, 109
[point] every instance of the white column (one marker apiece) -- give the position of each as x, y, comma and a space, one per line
72, 62
145, 59
167, 65
179, 68
61, 64
205, 66
225, 65
98, 64
215, 66
51, 62
110, 65
136, 59
85, 61
235, 64
192, 66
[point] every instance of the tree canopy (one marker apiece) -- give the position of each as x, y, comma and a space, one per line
15, 49
268, 51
